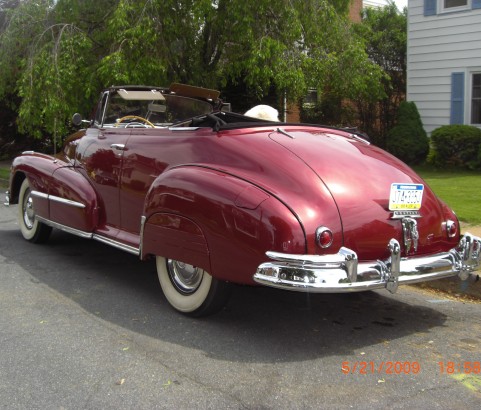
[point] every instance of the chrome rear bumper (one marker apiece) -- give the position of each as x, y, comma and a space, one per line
342, 272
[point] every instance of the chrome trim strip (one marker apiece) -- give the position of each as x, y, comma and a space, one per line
54, 198
28, 152
115, 244
183, 128
89, 235
342, 272
404, 214
68, 229
143, 219
281, 131
66, 201
360, 139
39, 194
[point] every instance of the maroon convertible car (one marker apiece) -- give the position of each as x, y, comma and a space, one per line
219, 198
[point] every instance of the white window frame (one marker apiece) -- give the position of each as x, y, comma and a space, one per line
443, 9
469, 100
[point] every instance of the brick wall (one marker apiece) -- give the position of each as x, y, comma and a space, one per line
355, 12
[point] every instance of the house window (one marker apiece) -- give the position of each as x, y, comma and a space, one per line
476, 99
451, 5
455, 3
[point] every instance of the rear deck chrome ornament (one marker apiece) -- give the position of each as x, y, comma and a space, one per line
410, 233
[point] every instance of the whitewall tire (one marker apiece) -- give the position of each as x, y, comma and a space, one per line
190, 289
32, 230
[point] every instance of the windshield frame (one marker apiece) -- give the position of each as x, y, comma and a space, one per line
160, 107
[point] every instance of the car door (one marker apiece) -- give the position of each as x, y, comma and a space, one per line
149, 152
100, 154
99, 158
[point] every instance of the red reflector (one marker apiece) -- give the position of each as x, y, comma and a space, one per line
452, 229
324, 237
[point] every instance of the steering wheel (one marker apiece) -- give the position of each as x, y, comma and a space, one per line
135, 117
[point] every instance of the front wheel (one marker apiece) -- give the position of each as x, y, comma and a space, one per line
32, 230
190, 289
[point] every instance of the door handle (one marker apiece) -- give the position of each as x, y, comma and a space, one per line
118, 147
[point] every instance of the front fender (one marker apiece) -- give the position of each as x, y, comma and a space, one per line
61, 194
216, 221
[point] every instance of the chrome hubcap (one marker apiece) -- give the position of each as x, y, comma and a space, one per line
186, 278
28, 211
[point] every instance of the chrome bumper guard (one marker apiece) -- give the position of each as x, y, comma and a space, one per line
342, 272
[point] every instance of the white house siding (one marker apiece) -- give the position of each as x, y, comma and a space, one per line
438, 46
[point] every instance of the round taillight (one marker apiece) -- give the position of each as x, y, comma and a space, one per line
451, 228
324, 237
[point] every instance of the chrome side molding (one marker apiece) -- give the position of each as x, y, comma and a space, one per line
90, 235
58, 199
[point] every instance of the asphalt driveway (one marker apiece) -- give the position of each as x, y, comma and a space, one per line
86, 326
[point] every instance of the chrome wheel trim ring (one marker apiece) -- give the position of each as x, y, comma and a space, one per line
186, 278
28, 211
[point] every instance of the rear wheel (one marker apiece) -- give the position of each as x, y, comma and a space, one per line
32, 230
190, 289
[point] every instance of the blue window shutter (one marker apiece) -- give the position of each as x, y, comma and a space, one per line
430, 7
457, 98
476, 4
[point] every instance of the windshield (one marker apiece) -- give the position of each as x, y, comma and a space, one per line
158, 109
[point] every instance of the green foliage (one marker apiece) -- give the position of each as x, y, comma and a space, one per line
456, 146
47, 55
408, 140
384, 31
381, 38
56, 55
49, 86
331, 110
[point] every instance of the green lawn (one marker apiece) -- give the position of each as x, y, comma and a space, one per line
461, 190
4, 175
4, 172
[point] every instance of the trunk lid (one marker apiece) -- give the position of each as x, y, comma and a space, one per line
359, 177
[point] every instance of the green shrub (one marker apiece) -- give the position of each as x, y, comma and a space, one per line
408, 140
456, 146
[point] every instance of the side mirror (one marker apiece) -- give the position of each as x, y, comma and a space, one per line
226, 107
77, 119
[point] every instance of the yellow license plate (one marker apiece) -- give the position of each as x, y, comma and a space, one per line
406, 196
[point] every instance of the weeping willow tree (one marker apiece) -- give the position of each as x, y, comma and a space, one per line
56, 55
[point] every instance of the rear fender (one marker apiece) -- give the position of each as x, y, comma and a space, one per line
216, 221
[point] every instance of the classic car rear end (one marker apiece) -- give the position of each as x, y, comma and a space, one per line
219, 198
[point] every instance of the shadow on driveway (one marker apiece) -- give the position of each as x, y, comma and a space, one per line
258, 324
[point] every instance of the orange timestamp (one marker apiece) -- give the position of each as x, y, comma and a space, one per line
383, 367
459, 367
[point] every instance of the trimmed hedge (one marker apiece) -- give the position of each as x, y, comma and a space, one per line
407, 140
456, 146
